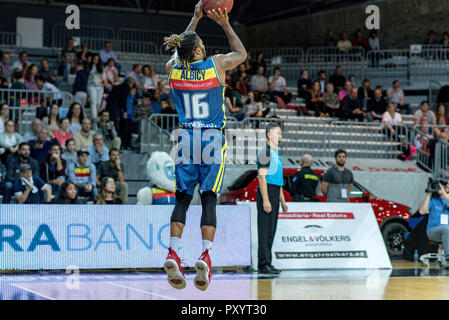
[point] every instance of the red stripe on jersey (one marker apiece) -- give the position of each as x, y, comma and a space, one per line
194, 85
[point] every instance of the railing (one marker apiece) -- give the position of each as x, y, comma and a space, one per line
94, 35
19, 98
334, 55
434, 89
441, 159
10, 39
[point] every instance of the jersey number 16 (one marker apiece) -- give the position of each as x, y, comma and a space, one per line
195, 108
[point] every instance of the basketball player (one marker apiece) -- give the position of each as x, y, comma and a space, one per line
197, 86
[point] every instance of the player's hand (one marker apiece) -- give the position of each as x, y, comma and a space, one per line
198, 14
267, 207
219, 16
284, 207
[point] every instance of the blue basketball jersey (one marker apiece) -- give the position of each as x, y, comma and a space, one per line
198, 95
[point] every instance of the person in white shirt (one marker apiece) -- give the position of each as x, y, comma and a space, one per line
396, 95
424, 111
4, 114
23, 60
55, 97
278, 86
390, 120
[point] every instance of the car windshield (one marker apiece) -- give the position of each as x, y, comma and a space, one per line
243, 181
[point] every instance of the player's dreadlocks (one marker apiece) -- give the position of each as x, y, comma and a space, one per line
185, 44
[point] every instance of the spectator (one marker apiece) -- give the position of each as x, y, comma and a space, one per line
4, 83
46, 72
97, 151
423, 136
377, 106
260, 61
259, 82
337, 181
374, 44
69, 154
304, 85
68, 59
36, 126
150, 79
67, 194
55, 97
167, 124
445, 40
12, 167
431, 38
22, 63
52, 121
40, 147
304, 182
278, 87
444, 136
322, 78
9, 141
106, 128
84, 54
353, 81
315, 102
95, 85
29, 189
330, 41
114, 169
396, 95
241, 80
83, 175
116, 101
111, 73
107, 193
84, 138
18, 81
52, 170
255, 107
249, 64
344, 45
345, 91
351, 106
30, 73
337, 79
136, 74
142, 110
4, 115
330, 99
63, 135
163, 93
231, 108
127, 118
360, 40
390, 120
7, 69
441, 115
424, 110
76, 117
80, 85
365, 94
107, 53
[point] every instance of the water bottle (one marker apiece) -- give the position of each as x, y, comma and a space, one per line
416, 256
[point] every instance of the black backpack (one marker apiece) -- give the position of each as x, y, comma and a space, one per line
417, 240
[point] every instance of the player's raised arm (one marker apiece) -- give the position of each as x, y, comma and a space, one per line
174, 41
238, 55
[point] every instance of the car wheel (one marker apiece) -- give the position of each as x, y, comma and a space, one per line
393, 234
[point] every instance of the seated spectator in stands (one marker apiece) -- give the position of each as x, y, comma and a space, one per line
231, 108
84, 54
242, 80
84, 175
84, 138
254, 106
278, 87
40, 147
143, 110
17, 81
260, 61
68, 59
7, 69
344, 45
338, 79
107, 194
111, 73
315, 102
52, 170
76, 117
259, 82
431, 38
360, 40
396, 95
166, 108
164, 94
30, 73
229, 80
353, 81
114, 169
69, 154
150, 79
116, 101
106, 128
136, 74
4, 83
345, 91
304, 85
95, 85
351, 107
390, 119
36, 126
80, 85
330, 99
424, 110
22, 63
46, 72
377, 106
4, 115
12, 169
63, 135
366, 94
52, 121
29, 188
9, 141
330, 41
107, 53
445, 40
322, 79
423, 136
67, 194
98, 152
155, 101
54, 97
441, 115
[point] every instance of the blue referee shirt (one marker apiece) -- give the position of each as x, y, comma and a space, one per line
269, 158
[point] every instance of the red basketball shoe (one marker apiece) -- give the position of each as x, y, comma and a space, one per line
172, 266
203, 271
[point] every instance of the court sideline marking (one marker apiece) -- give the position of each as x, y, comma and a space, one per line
31, 291
140, 290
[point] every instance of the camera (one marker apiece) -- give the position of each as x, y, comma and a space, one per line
433, 185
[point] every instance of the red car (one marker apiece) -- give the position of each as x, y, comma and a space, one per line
391, 216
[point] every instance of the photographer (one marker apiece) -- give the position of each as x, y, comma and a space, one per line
436, 203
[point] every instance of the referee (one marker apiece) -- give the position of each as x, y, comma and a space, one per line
269, 195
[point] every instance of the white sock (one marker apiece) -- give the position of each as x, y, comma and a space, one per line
207, 245
174, 243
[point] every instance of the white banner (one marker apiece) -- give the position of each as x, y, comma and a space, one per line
325, 236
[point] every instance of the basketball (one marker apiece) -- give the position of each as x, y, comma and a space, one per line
218, 4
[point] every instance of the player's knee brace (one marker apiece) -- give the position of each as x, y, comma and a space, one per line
181, 206
209, 203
